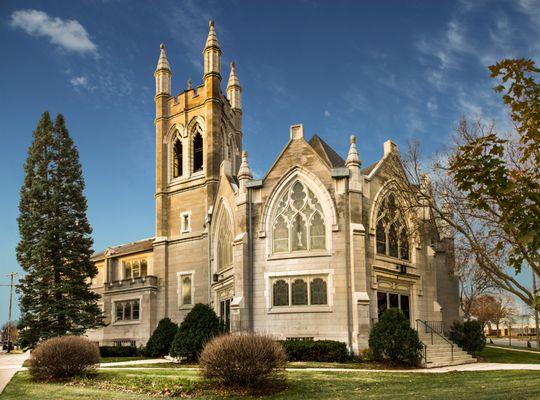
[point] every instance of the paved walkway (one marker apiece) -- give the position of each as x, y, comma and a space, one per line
9, 365
464, 367
512, 349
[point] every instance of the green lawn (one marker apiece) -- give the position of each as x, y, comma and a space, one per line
502, 355
301, 385
118, 359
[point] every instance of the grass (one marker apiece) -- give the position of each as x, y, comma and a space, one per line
503, 355
105, 360
120, 384
119, 359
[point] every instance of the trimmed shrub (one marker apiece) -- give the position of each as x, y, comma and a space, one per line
316, 350
160, 342
118, 351
468, 335
198, 327
392, 339
245, 360
63, 357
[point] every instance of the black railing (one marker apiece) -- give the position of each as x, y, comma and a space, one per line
437, 326
431, 330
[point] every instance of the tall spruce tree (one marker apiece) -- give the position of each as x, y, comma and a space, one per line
55, 240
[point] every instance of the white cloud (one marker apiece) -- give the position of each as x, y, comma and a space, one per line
327, 113
79, 81
432, 105
67, 34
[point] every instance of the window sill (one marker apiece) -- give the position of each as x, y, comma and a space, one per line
300, 309
394, 260
120, 323
185, 307
299, 254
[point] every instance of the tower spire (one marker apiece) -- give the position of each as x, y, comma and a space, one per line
212, 53
234, 90
163, 73
353, 159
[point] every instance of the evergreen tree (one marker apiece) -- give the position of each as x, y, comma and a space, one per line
55, 244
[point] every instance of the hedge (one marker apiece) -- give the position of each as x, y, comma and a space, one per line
316, 350
118, 351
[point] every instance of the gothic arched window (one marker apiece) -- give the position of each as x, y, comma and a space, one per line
391, 234
224, 242
177, 158
281, 293
197, 150
298, 221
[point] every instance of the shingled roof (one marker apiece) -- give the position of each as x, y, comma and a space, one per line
127, 248
327, 153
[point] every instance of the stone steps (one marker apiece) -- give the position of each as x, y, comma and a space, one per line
440, 354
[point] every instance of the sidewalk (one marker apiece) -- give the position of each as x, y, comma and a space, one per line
464, 367
512, 349
9, 365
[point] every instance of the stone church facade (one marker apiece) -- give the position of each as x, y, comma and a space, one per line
315, 249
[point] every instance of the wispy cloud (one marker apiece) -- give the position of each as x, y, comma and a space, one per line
79, 82
327, 114
70, 35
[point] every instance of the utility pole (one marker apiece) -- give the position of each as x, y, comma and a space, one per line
535, 309
8, 328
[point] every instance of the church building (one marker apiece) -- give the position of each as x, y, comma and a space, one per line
315, 249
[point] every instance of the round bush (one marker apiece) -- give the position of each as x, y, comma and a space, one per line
244, 360
198, 327
160, 342
63, 357
469, 336
392, 339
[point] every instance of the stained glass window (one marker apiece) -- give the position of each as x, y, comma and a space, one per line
299, 292
281, 293
298, 223
391, 234
318, 291
177, 158
225, 245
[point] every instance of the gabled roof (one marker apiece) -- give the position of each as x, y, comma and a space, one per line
367, 170
327, 153
123, 249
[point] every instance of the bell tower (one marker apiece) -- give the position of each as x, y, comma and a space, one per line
196, 130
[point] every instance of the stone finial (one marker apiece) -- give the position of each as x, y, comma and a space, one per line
353, 159
244, 172
189, 84
211, 40
163, 62
233, 78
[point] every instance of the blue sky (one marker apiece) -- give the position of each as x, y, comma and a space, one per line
386, 69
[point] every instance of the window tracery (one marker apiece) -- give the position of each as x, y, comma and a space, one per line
391, 236
298, 222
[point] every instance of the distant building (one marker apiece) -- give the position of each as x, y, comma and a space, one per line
317, 248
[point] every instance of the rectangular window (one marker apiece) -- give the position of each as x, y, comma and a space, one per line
127, 310
185, 222
135, 268
185, 289
300, 291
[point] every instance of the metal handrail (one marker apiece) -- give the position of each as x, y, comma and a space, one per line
427, 326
